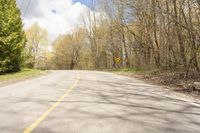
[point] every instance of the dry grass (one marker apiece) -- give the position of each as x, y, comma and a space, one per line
175, 80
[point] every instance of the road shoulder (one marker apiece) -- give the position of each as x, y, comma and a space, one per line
174, 89
13, 78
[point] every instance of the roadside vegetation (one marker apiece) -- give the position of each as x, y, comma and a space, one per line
12, 37
173, 80
23, 74
126, 70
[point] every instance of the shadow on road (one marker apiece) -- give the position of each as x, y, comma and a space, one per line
117, 105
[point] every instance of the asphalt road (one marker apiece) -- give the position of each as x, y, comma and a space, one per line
94, 102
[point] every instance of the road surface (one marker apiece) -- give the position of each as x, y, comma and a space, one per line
94, 102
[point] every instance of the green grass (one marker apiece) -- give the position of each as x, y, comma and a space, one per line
25, 73
126, 70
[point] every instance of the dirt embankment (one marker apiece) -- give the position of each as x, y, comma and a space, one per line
174, 80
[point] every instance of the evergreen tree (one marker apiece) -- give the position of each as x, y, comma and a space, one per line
12, 37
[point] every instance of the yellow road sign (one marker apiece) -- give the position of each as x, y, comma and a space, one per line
117, 59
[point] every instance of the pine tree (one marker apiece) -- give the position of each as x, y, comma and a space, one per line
12, 37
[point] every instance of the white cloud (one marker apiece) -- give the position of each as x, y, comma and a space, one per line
57, 16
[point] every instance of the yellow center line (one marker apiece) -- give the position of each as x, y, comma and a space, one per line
42, 117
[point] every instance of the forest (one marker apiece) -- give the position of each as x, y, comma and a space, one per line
148, 34
144, 34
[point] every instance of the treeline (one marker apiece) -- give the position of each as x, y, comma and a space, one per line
71, 52
149, 34
12, 37
162, 34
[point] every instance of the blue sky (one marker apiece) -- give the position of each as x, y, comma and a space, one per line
85, 2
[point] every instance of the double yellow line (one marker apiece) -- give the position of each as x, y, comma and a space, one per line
42, 117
